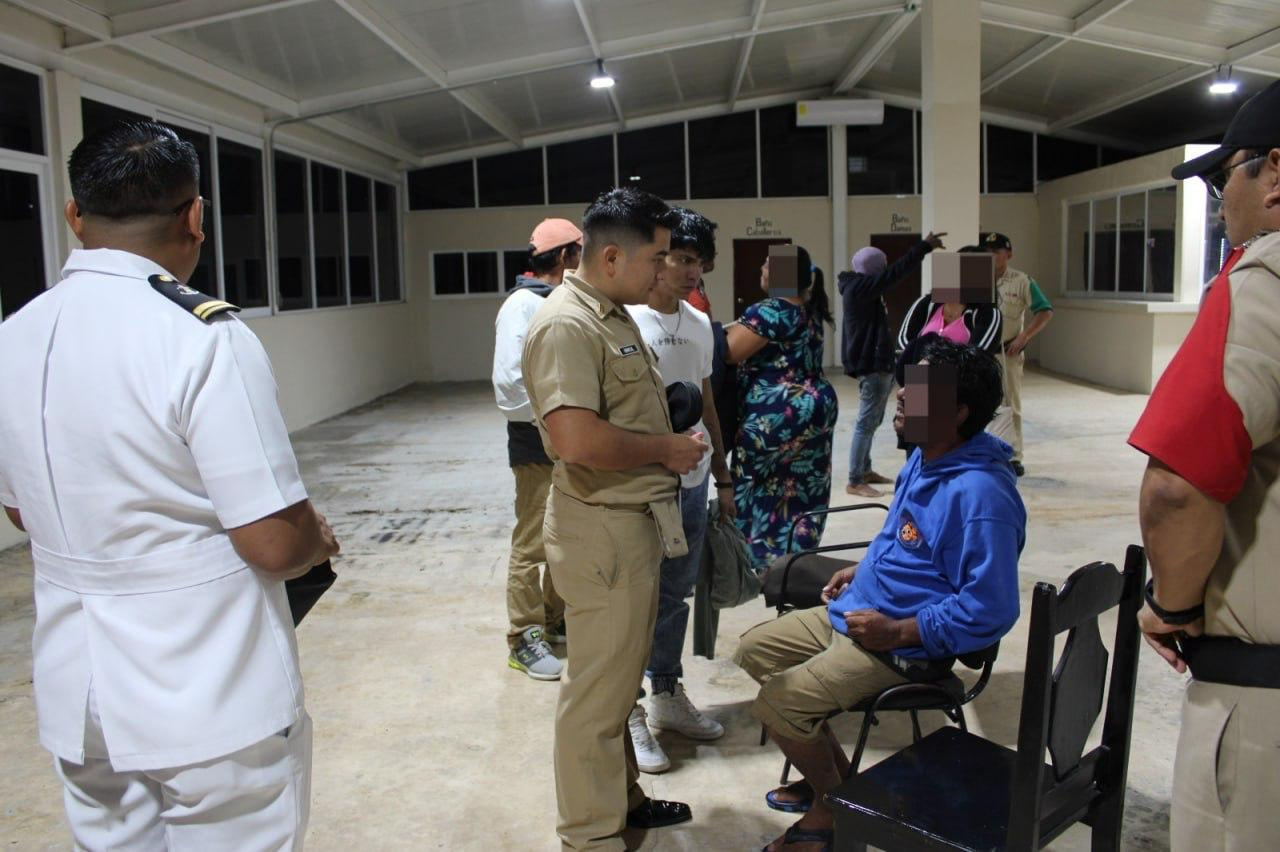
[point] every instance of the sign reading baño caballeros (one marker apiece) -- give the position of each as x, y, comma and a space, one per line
763, 228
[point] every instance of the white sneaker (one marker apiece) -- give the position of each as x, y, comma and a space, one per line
650, 757
673, 711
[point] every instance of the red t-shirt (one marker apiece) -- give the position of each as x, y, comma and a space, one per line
1191, 423
698, 298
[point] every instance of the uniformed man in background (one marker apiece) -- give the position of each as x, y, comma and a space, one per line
612, 516
143, 450
1017, 293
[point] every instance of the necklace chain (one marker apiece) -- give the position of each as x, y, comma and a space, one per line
679, 319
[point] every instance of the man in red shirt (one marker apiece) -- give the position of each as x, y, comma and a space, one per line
1210, 508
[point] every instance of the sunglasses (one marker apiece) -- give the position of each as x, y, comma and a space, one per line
1217, 181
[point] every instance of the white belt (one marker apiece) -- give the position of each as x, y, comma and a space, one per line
162, 571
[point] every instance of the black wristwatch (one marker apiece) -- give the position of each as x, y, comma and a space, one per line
1181, 616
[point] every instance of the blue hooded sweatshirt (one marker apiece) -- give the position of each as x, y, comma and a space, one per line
948, 554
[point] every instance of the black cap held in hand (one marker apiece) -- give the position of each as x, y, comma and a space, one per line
684, 400
1256, 125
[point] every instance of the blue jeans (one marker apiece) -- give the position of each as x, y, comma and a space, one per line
873, 394
675, 583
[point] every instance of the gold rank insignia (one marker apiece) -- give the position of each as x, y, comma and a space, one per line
189, 298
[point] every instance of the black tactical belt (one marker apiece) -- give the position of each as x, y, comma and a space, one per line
1225, 659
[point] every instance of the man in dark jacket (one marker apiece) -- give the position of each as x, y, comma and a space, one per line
868, 350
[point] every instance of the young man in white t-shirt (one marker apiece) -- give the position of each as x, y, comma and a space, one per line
680, 335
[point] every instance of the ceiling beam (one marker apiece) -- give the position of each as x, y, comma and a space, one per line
1250, 48
69, 14
883, 38
1097, 12
365, 139
744, 52
178, 15
421, 57
595, 50
1093, 15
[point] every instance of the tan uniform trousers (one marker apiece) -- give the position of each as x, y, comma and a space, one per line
806, 669
1007, 424
528, 604
605, 564
1226, 777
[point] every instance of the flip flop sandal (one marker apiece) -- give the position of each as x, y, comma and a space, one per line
800, 806
796, 834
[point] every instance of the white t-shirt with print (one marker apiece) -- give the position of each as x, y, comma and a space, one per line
684, 346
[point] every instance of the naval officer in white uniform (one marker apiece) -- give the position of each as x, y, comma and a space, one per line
143, 450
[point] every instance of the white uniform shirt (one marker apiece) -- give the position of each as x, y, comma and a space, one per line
132, 435
685, 347
510, 328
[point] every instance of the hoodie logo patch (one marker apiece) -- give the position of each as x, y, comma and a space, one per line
909, 535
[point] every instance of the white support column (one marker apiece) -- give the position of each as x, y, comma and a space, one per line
839, 233
65, 132
952, 77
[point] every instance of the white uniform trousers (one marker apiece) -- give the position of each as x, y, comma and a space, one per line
258, 798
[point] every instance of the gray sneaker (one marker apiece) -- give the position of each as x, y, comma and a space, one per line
533, 656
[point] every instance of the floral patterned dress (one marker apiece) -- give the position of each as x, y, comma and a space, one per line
782, 451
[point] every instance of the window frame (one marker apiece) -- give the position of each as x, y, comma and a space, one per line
1114, 195
503, 274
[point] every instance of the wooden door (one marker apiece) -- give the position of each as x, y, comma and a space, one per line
901, 296
748, 256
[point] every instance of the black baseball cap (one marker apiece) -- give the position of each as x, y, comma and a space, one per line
993, 241
1255, 125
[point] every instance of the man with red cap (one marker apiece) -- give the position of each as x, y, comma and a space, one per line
1210, 508
534, 611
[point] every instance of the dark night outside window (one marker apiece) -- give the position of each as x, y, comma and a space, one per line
722, 156
360, 238
21, 118
514, 263
21, 240
244, 237
1010, 167
482, 272
95, 115
388, 236
793, 160
579, 171
1057, 158
653, 159
448, 272
442, 187
293, 238
880, 156
509, 180
326, 213
205, 277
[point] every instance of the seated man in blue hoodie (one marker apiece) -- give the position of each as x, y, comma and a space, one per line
940, 580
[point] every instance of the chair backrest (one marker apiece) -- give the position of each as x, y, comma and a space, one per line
1061, 703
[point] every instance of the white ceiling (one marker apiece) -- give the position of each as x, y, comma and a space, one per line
420, 80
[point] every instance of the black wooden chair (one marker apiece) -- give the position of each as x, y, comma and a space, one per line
954, 790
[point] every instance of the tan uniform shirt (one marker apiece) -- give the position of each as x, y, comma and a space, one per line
584, 351
1014, 292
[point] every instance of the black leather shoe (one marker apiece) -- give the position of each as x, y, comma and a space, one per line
1018, 469
655, 813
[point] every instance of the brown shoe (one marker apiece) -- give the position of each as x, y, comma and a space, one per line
873, 478
862, 490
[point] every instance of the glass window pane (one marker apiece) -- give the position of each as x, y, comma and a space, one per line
653, 159
514, 263
244, 237
793, 160
330, 247
21, 241
1077, 248
482, 272
360, 238
442, 187
1133, 243
95, 115
1009, 160
21, 118
508, 180
1104, 245
1216, 247
1162, 213
205, 278
388, 236
448, 273
880, 158
293, 234
1057, 158
722, 156
579, 171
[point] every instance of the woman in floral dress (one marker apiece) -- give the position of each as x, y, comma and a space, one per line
782, 452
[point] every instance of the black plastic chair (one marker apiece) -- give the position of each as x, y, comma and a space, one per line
954, 790
796, 580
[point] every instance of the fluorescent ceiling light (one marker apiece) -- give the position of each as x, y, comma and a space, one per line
602, 80
1222, 83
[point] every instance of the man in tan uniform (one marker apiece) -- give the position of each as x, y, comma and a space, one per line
1018, 293
599, 402
1210, 508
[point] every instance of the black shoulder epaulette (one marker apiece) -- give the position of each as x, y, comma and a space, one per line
189, 298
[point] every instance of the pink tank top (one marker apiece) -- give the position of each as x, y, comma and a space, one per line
956, 332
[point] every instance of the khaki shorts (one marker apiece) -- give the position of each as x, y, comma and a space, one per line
806, 671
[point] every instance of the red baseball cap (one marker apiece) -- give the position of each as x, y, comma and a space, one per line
554, 233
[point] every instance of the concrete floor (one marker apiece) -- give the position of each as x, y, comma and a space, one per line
426, 740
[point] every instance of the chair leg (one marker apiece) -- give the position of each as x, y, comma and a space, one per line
764, 734
868, 719
786, 770
915, 727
